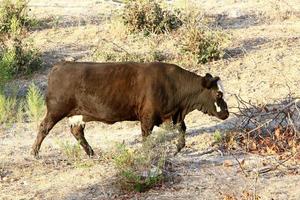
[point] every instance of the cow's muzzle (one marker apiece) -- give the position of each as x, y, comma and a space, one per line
223, 114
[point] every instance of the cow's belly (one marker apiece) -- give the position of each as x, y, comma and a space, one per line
76, 120
108, 116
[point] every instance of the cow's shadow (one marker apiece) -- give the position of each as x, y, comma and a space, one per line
227, 125
171, 133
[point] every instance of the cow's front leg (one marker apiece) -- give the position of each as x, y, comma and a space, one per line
147, 124
181, 139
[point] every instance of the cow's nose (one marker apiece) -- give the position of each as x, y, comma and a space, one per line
224, 115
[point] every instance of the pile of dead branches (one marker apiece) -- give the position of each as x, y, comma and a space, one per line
284, 112
267, 129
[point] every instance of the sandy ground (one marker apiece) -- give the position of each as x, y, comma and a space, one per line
261, 65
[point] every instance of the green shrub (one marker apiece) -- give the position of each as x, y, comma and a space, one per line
14, 16
27, 58
7, 61
207, 45
18, 59
148, 16
142, 168
35, 106
16, 56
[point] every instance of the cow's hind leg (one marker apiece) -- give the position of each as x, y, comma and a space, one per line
78, 132
181, 139
44, 128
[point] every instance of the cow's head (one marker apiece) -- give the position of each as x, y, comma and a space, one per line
212, 97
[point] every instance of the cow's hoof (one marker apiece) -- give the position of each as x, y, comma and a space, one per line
179, 148
90, 152
180, 145
35, 154
92, 155
177, 151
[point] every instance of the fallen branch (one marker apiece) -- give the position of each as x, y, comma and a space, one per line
273, 167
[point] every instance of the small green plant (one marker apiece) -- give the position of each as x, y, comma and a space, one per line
148, 16
217, 137
35, 106
71, 150
7, 109
142, 168
20, 111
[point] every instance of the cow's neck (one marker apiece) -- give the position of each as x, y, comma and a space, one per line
191, 92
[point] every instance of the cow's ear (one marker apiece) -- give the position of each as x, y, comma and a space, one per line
216, 79
214, 82
207, 81
208, 76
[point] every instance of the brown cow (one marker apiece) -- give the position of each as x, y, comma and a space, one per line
111, 92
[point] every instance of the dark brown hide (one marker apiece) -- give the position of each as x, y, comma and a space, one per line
111, 92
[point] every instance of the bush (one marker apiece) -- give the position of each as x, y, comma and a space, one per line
16, 57
142, 168
7, 61
206, 45
14, 13
148, 16
35, 106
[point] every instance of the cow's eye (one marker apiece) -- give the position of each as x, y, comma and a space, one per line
219, 95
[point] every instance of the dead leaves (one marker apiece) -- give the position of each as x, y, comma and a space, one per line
246, 195
279, 142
